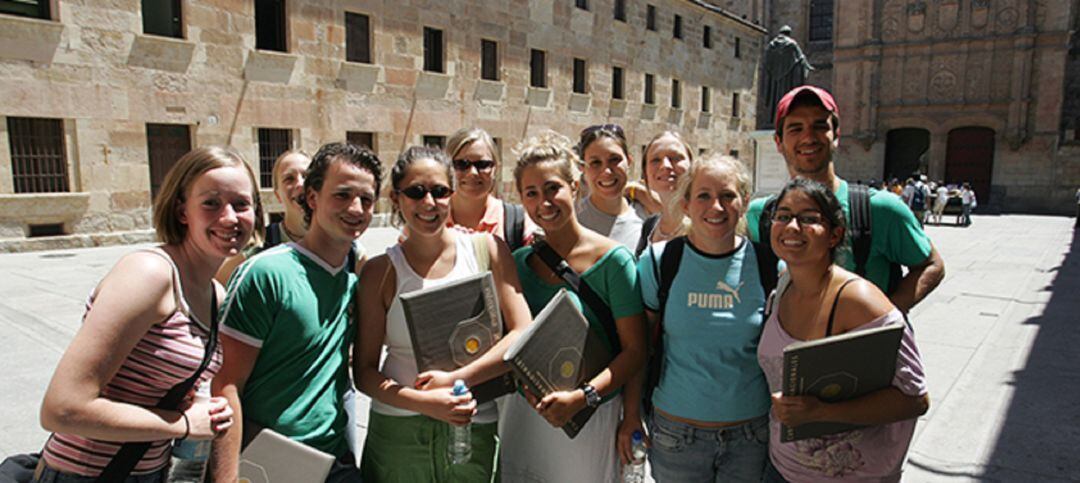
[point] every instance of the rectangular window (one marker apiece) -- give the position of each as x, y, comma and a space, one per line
50, 229
272, 142
489, 60
165, 145
676, 27
676, 94
433, 50
620, 10
706, 37
38, 158
361, 138
579, 76
357, 38
706, 99
821, 19
270, 25
738, 48
162, 17
434, 141
582, 4
650, 89
735, 105
617, 83
538, 68
26, 8
650, 17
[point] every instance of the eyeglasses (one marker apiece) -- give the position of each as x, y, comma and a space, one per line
481, 165
806, 218
419, 191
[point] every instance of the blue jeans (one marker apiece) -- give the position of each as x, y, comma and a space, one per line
771, 474
965, 218
49, 475
681, 452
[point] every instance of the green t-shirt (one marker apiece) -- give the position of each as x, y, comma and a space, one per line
613, 277
297, 310
896, 236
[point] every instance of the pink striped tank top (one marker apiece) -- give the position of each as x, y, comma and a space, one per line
167, 354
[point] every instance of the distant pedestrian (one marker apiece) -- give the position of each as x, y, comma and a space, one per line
941, 199
147, 329
919, 194
821, 300
967, 197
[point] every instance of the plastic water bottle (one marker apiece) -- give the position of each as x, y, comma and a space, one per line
189, 456
634, 471
460, 436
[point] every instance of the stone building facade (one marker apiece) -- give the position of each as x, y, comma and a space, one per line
116, 93
986, 91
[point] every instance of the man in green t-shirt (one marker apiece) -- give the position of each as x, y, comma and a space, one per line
288, 324
807, 135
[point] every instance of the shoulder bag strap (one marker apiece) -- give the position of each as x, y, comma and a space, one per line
766, 257
129, 454
647, 228
513, 225
836, 301
558, 265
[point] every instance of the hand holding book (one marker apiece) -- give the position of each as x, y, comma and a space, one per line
560, 406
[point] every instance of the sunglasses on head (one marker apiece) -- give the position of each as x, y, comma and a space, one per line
480, 164
615, 128
419, 191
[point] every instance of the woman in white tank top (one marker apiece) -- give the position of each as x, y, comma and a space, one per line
408, 434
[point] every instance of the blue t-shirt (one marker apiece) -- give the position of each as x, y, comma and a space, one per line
712, 323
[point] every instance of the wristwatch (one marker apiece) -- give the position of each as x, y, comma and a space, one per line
592, 398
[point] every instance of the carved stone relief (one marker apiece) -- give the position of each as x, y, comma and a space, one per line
977, 76
999, 84
1007, 15
915, 79
891, 80
943, 85
916, 12
980, 13
948, 12
892, 16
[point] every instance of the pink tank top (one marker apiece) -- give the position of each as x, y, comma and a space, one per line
167, 354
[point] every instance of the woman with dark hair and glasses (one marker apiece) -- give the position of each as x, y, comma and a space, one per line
473, 206
823, 299
408, 434
605, 161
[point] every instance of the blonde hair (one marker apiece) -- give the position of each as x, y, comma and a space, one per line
276, 174
177, 184
725, 164
674, 135
466, 136
547, 147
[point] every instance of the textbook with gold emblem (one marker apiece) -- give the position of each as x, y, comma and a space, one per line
839, 368
559, 352
454, 324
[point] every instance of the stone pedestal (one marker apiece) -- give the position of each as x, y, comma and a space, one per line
770, 170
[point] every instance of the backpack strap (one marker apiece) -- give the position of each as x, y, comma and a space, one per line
273, 235
766, 258
647, 228
480, 249
558, 265
861, 225
669, 266
513, 225
129, 454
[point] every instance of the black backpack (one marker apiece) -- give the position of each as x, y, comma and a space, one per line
513, 225
859, 230
647, 228
273, 239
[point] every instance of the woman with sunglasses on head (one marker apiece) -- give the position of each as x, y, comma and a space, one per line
408, 434
605, 161
667, 158
823, 299
474, 207
709, 410
534, 447
148, 328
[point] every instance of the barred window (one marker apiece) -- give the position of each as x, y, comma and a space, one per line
272, 142
361, 138
270, 32
357, 38
821, 19
38, 160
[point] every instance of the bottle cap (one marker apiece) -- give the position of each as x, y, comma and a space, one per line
637, 437
459, 388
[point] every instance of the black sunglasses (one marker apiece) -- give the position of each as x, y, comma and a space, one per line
419, 191
480, 164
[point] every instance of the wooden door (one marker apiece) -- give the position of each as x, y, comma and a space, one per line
166, 143
970, 157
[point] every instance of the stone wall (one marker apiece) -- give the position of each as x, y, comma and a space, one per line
93, 67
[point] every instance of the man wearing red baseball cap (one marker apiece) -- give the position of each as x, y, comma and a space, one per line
807, 135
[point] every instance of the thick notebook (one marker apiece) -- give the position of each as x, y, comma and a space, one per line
559, 352
454, 324
273, 458
838, 368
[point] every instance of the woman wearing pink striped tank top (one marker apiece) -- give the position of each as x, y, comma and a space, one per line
146, 326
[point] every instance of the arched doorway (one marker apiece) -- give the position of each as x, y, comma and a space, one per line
970, 157
905, 152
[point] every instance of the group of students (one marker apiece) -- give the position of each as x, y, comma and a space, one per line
299, 315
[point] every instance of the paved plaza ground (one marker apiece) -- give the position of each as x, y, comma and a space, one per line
1000, 340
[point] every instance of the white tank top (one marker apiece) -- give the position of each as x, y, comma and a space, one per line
400, 362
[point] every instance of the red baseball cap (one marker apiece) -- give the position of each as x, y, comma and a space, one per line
821, 95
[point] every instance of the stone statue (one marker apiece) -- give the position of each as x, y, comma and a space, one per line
785, 68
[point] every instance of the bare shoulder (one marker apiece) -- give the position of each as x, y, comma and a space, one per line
151, 272
141, 283
861, 302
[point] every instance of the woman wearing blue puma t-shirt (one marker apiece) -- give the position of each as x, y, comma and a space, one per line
710, 408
